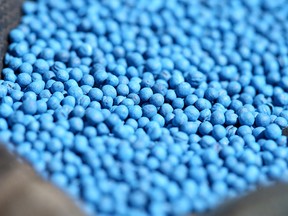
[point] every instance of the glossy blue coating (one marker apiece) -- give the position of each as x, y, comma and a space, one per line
149, 107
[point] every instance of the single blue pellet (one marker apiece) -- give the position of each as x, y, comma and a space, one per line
100, 76
95, 94
53, 103
230, 117
183, 89
178, 103
225, 100
149, 110
85, 50
211, 94
40, 66
179, 119
3, 124
189, 127
142, 122
135, 98
109, 91
217, 117
29, 58
153, 130
3, 91
176, 79
148, 80
84, 101
207, 141
69, 100
86, 89
16, 95
273, 131
107, 102
36, 86
10, 77
125, 153
16, 35
235, 105
122, 111
244, 130
258, 132
57, 87
16, 105
145, 93
153, 65
80, 144
281, 99
170, 95
160, 87
94, 116
133, 123
233, 88
135, 59
112, 80
281, 122
135, 112
158, 118
123, 80
134, 87
262, 120
205, 128
165, 109
87, 79
218, 132
76, 124
37, 77
58, 95
202, 104
29, 106
14, 63
157, 100
7, 100
55, 145
192, 113
246, 118
62, 75
269, 145
123, 131
122, 89
119, 70
195, 78
5, 110
24, 79
75, 91
76, 74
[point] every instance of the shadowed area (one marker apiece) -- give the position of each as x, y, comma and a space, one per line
10, 13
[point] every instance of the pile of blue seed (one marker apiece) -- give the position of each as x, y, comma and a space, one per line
140, 107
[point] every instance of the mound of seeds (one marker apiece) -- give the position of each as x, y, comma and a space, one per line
141, 107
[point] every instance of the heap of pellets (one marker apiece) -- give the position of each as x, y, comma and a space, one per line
141, 107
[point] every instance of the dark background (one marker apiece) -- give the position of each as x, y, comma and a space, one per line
10, 12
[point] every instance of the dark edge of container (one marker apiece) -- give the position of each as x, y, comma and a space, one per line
10, 14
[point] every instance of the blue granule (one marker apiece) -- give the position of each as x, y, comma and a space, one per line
139, 107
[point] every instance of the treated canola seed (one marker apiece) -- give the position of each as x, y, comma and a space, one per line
149, 107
